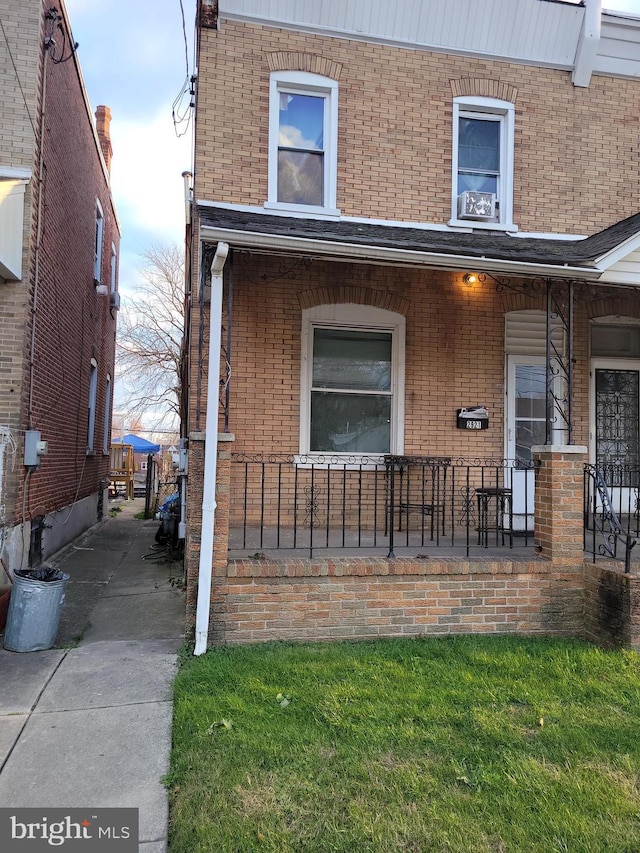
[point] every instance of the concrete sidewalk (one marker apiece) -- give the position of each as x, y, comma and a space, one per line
88, 724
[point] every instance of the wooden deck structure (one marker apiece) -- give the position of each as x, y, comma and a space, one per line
121, 471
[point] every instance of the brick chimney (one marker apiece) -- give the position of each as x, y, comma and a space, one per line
103, 122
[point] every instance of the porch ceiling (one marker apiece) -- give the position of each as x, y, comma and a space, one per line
381, 243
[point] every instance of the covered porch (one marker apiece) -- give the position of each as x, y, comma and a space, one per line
406, 488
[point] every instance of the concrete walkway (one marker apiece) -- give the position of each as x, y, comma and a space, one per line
88, 723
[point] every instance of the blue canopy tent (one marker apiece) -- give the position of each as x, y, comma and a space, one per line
140, 445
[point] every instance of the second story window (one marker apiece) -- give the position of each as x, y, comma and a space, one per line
113, 271
97, 249
107, 416
91, 408
482, 179
303, 142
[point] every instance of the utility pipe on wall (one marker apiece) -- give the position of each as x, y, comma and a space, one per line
210, 451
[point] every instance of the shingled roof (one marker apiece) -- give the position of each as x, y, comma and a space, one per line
488, 245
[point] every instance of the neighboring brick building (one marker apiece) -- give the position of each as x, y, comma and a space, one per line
59, 243
424, 213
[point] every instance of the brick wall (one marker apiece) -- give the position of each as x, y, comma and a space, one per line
395, 126
359, 598
448, 364
73, 323
56, 300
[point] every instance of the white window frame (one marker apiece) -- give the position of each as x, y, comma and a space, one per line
107, 416
503, 112
91, 415
350, 316
97, 248
305, 83
113, 270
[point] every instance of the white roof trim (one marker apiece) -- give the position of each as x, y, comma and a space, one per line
631, 244
387, 256
581, 39
16, 173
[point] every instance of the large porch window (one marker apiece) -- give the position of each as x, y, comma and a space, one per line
352, 381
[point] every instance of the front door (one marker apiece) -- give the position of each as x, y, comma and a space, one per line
526, 427
616, 428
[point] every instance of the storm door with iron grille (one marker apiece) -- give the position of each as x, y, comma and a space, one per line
616, 394
615, 408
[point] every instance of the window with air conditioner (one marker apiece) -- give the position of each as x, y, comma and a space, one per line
482, 174
303, 140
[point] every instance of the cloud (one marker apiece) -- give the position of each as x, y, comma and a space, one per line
292, 137
146, 180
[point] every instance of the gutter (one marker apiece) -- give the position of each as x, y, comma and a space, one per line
210, 452
390, 256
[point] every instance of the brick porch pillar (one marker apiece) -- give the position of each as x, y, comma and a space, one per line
559, 523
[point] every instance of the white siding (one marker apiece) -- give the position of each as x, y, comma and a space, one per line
619, 50
526, 333
625, 271
519, 30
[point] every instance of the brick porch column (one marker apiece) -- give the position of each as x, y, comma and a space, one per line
559, 524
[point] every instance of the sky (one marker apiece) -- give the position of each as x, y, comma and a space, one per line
132, 55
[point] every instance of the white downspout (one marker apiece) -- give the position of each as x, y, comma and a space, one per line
210, 452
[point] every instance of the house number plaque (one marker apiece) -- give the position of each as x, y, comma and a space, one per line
472, 417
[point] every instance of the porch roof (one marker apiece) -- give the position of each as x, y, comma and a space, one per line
384, 243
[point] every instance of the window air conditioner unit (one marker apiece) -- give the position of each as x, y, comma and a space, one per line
477, 205
115, 300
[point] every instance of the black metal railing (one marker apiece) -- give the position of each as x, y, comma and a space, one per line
390, 504
611, 511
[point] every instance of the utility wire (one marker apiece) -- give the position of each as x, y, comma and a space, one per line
182, 115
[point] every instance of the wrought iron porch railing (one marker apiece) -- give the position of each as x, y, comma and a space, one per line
392, 505
611, 511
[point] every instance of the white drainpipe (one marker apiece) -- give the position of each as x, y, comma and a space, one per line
210, 452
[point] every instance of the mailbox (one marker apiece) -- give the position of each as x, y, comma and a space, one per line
473, 417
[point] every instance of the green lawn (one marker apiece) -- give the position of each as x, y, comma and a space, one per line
459, 744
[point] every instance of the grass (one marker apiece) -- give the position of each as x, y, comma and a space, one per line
462, 744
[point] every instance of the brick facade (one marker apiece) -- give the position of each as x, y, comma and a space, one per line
394, 164
394, 143
53, 322
362, 598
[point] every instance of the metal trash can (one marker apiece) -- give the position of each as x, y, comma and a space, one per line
35, 609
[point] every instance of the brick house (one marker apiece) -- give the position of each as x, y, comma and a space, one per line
412, 319
59, 243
